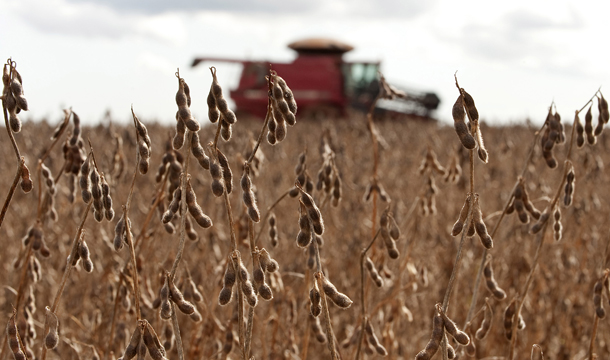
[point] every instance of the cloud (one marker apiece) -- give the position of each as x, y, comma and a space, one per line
369, 8
96, 20
518, 37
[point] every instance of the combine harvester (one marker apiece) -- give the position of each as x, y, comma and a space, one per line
324, 85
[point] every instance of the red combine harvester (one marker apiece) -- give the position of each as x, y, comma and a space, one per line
324, 85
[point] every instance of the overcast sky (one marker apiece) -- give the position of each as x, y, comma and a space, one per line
514, 57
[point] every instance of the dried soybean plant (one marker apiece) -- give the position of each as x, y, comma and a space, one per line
470, 220
123, 227
389, 231
13, 101
34, 243
100, 199
311, 226
601, 285
281, 110
565, 186
185, 203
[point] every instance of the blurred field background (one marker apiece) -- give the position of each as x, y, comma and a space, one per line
558, 309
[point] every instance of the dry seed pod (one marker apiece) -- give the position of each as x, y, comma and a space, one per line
459, 224
483, 330
289, 97
142, 351
479, 225
194, 291
339, 299
259, 279
228, 345
26, 182
226, 130
370, 266
551, 162
372, 338
166, 306
336, 191
394, 229
390, 243
273, 235
580, 131
459, 123
438, 331
213, 113
227, 288
315, 299
311, 256
600, 312
557, 227
227, 175
178, 141
600, 121
450, 350
221, 103
269, 264
194, 209
603, 106
509, 315
83, 251
188, 227
589, 127
176, 296
199, 153
543, 219
482, 151
569, 188
151, 340
119, 230
141, 129
216, 173
52, 338
490, 281
14, 341
469, 105
132, 348
304, 236
317, 330
246, 285
459, 336
313, 212
529, 206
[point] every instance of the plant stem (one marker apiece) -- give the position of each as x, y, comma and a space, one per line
362, 295
67, 271
113, 322
267, 214
11, 192
176, 327
327, 324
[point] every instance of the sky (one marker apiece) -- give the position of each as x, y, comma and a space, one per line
514, 57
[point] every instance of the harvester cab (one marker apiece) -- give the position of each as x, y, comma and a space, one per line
324, 85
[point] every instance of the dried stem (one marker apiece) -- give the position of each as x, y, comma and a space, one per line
362, 295
267, 214
477, 282
249, 325
113, 322
327, 324
530, 276
180, 251
176, 327
67, 271
11, 191
132, 252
